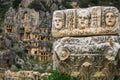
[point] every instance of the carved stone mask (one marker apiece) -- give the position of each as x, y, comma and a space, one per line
58, 22
58, 18
110, 19
83, 19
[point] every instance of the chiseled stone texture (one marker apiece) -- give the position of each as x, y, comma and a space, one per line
87, 57
21, 75
24, 75
97, 20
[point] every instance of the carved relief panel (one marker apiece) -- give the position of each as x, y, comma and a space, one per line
95, 16
86, 21
88, 58
70, 19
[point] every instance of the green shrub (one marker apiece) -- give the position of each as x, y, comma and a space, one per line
34, 61
9, 65
20, 54
66, 4
2, 48
116, 78
35, 5
1, 30
3, 9
46, 61
56, 75
15, 70
40, 70
16, 3
18, 66
50, 71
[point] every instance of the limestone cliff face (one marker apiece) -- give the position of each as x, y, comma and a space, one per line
22, 22
32, 27
26, 21
9, 20
25, 3
10, 47
31, 21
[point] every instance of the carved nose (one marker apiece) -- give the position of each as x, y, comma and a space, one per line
82, 19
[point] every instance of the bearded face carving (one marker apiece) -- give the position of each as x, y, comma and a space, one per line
83, 19
110, 19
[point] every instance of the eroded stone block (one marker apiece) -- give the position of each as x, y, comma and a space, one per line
88, 57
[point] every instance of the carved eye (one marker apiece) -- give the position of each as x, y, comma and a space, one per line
85, 18
55, 20
80, 17
107, 16
112, 16
60, 20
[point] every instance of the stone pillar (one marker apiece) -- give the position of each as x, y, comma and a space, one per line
88, 48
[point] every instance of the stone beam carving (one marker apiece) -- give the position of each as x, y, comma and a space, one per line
87, 57
85, 22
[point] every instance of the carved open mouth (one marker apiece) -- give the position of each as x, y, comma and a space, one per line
109, 21
57, 24
82, 22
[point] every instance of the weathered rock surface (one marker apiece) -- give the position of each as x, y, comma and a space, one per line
86, 55
25, 3
20, 75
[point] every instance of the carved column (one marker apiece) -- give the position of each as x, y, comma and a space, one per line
89, 48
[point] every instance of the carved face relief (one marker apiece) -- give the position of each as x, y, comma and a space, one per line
83, 19
25, 16
110, 19
110, 55
58, 23
58, 19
